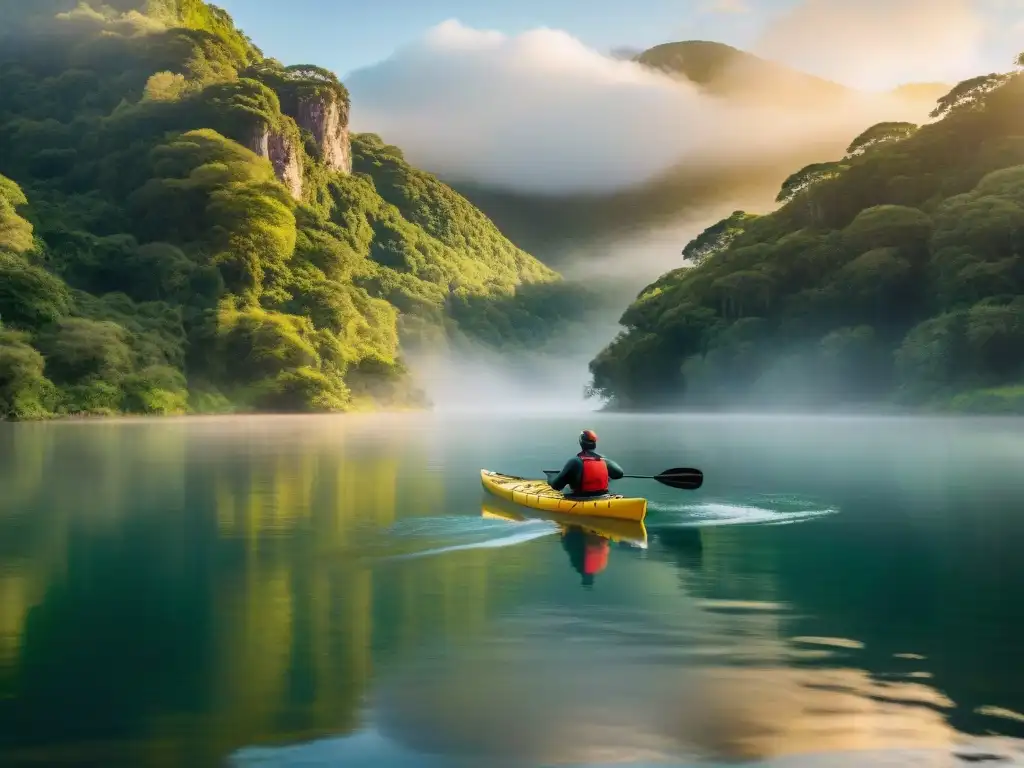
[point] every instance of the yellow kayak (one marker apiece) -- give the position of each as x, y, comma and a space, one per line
628, 531
537, 494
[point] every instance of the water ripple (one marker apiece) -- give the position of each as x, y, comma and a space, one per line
431, 536
781, 510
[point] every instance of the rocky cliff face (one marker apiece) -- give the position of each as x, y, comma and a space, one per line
325, 116
282, 154
327, 119
284, 157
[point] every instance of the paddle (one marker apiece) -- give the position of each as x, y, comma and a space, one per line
683, 478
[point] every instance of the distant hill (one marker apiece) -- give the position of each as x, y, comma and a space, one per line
728, 71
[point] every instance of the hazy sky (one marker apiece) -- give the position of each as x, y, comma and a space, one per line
521, 93
349, 34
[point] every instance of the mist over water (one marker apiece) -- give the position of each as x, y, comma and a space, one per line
486, 382
626, 264
554, 378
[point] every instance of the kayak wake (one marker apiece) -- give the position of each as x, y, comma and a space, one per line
487, 534
506, 541
446, 526
778, 511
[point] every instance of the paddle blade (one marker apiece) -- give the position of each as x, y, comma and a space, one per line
683, 478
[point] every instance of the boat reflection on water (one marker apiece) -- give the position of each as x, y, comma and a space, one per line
588, 552
586, 540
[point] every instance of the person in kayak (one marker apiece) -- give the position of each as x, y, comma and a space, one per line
588, 472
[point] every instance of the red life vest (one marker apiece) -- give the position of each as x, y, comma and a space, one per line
595, 474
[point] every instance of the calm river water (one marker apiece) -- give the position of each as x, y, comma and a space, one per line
339, 591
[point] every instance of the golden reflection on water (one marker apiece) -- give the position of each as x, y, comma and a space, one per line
288, 602
14, 605
719, 698
769, 712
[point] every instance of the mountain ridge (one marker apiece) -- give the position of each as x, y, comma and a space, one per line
729, 71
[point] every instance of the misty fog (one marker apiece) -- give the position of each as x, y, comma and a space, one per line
541, 112
554, 379
876, 44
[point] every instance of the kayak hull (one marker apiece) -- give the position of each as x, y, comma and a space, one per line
632, 532
537, 494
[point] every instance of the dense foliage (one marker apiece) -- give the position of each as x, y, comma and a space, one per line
152, 260
892, 275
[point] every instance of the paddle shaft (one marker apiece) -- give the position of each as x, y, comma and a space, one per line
631, 477
680, 478
634, 477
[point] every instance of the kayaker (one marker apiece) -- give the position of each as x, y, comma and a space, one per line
588, 472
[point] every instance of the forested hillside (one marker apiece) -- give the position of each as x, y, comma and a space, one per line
187, 225
892, 275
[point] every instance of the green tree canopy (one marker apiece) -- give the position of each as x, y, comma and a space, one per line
878, 134
717, 237
807, 177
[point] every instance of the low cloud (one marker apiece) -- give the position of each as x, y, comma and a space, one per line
871, 43
727, 6
542, 112
537, 110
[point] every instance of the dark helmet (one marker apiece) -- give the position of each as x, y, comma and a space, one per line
588, 439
